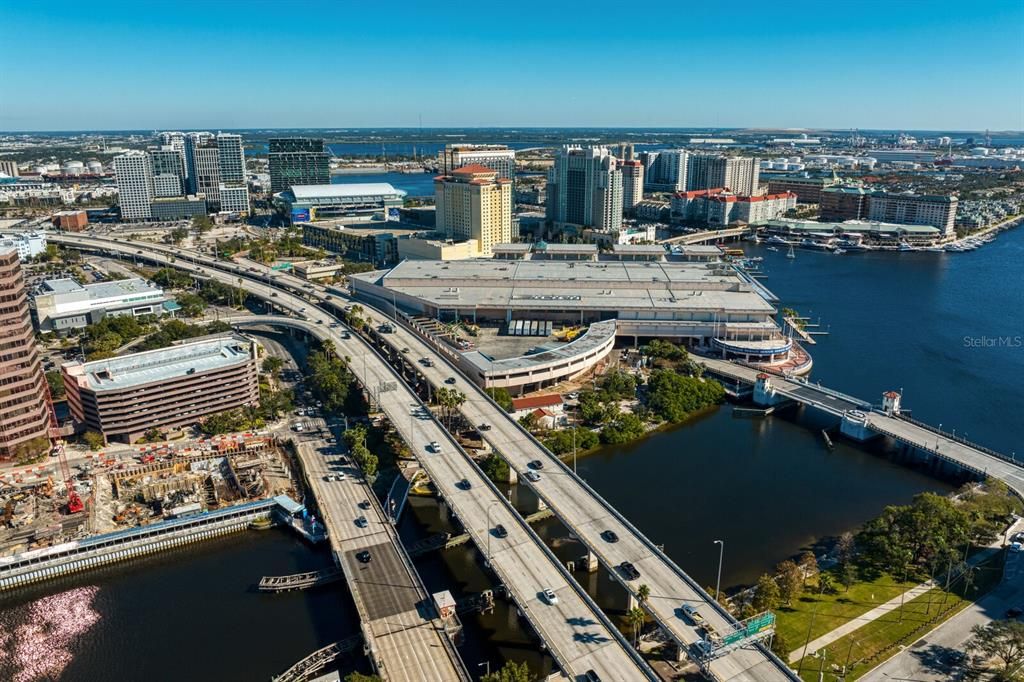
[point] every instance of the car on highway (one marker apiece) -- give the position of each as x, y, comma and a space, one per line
591, 676
434, 446
692, 614
365, 504
609, 536
273, 294
450, 380
629, 571
1017, 537
533, 476
536, 464
484, 427
364, 556
500, 532
426, 362
362, 522
329, 477
465, 484
405, 349
550, 597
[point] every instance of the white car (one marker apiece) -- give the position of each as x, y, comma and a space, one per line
434, 446
533, 476
550, 596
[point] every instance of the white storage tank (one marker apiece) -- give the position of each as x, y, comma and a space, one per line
72, 168
95, 167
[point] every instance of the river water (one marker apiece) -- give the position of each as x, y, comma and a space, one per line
940, 326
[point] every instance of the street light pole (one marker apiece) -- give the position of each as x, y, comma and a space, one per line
721, 552
487, 562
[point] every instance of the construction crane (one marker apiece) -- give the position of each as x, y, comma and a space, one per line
75, 503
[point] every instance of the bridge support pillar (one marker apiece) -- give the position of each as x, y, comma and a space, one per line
541, 504
631, 602
855, 425
680, 654
590, 562
513, 477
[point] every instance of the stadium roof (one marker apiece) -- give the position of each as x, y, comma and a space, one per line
359, 189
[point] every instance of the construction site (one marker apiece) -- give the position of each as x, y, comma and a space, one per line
117, 491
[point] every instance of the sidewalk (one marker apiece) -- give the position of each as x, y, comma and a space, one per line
894, 603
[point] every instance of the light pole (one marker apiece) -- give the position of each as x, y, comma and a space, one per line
721, 552
487, 561
487, 666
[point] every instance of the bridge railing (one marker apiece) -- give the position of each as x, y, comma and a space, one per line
958, 439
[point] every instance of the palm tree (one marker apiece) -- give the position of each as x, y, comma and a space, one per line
635, 618
643, 593
826, 583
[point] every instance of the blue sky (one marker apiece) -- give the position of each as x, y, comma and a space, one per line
147, 64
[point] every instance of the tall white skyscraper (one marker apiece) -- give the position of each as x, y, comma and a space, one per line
632, 185
668, 171
134, 185
585, 190
205, 174
232, 191
738, 174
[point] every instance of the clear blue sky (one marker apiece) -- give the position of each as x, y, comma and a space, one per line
146, 64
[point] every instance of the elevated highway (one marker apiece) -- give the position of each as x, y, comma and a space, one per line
576, 632
706, 236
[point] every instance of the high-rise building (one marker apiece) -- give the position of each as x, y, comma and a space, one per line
176, 141
914, 209
168, 166
668, 171
134, 184
808, 189
585, 190
632, 185
191, 141
204, 176
844, 203
232, 159
297, 161
24, 409
234, 194
474, 203
497, 157
9, 168
738, 174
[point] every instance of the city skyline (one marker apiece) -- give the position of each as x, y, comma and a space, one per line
800, 66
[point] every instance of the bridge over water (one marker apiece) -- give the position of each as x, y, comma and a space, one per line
862, 420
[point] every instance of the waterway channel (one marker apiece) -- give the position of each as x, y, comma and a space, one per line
768, 487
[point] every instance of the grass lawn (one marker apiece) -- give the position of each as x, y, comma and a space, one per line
878, 640
833, 610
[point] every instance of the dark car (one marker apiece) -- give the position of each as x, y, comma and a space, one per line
484, 427
364, 556
609, 536
536, 464
450, 380
500, 531
365, 504
465, 484
591, 676
629, 570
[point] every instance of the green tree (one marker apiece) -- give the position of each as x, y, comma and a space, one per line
636, 618
619, 386
643, 593
56, 383
826, 583
1003, 642
674, 397
495, 468
790, 580
622, 428
766, 595
192, 305
93, 439
847, 574
510, 672
808, 566
272, 365
529, 421
502, 397
360, 677
177, 235
202, 224
561, 442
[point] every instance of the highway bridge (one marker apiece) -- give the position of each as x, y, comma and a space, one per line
707, 236
579, 636
863, 420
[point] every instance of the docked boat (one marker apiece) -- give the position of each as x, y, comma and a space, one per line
906, 247
777, 240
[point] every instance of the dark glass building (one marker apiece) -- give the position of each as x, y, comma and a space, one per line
297, 161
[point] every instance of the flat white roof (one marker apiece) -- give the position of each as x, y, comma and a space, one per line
160, 365
357, 189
